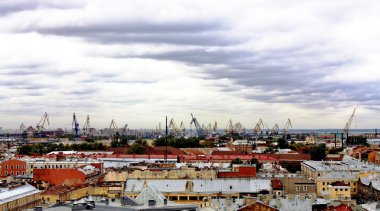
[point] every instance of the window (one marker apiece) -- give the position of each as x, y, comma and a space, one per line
23, 166
324, 189
11, 166
6, 166
298, 188
17, 167
12, 173
6, 173
354, 189
323, 183
341, 189
305, 188
23, 173
60, 166
16, 172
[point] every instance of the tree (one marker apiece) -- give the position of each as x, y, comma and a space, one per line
236, 161
136, 148
282, 143
318, 152
256, 162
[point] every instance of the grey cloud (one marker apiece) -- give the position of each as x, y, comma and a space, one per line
12, 6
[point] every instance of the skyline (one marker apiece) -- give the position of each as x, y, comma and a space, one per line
138, 61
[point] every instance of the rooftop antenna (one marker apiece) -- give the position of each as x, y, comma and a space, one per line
166, 139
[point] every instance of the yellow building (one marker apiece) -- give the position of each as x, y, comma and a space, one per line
19, 197
183, 173
351, 179
339, 191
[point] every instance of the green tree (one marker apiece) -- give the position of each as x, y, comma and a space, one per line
136, 148
318, 152
282, 143
236, 161
256, 162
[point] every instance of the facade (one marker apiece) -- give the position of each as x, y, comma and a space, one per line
13, 167
298, 184
339, 191
350, 179
17, 197
67, 177
239, 172
196, 190
369, 189
258, 206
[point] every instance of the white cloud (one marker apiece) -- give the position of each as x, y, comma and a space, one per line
137, 61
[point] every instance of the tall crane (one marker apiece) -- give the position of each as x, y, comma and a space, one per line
198, 127
348, 124
41, 124
215, 127
182, 128
259, 126
173, 127
113, 129
287, 126
22, 128
229, 127
75, 126
87, 126
124, 131
275, 129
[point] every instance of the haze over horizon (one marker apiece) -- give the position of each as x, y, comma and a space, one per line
138, 61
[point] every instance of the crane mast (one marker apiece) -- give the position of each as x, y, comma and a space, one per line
287, 126
198, 127
86, 126
348, 124
41, 124
75, 126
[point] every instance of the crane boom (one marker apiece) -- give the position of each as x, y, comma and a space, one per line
41, 124
348, 124
75, 126
287, 126
198, 127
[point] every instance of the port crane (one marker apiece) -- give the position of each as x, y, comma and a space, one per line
41, 124
22, 128
198, 127
259, 126
238, 127
229, 127
182, 128
124, 131
114, 130
173, 127
275, 129
75, 126
348, 124
287, 126
215, 127
87, 126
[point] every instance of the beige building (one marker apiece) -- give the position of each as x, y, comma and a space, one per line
19, 197
182, 173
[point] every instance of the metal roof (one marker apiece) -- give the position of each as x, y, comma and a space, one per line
7, 195
202, 185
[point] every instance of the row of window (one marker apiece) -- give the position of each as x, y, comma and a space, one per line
298, 188
328, 183
17, 166
12, 173
54, 166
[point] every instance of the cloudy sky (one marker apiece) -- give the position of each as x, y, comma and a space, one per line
137, 61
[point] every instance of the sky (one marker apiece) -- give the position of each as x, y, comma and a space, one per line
139, 61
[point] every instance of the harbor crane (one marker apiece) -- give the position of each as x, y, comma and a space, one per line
229, 127
259, 126
275, 129
287, 126
114, 130
87, 126
173, 127
22, 128
348, 124
182, 128
75, 126
215, 127
124, 131
41, 124
198, 127
238, 127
